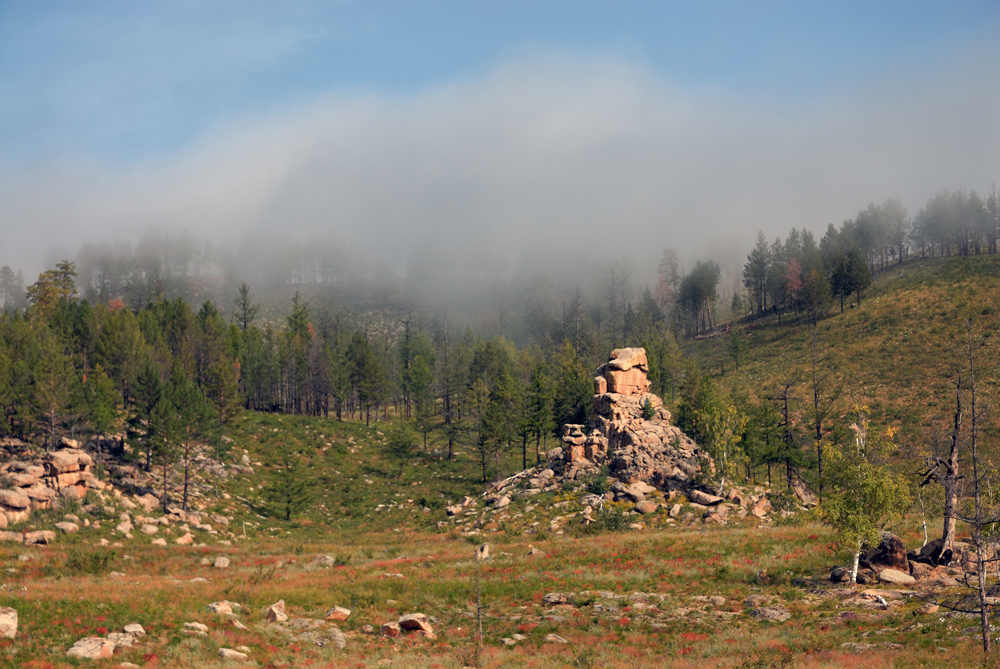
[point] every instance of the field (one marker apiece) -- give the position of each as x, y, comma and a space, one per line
678, 597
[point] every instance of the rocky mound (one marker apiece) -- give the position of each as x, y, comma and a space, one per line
630, 433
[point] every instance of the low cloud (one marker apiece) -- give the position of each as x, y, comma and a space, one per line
549, 160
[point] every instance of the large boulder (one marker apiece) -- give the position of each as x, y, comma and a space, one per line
889, 554
92, 648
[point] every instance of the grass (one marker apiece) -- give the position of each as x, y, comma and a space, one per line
638, 598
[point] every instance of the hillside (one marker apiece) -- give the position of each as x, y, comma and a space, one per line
899, 353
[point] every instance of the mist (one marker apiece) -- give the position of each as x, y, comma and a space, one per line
551, 163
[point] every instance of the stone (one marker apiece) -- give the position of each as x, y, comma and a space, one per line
92, 648
200, 629
324, 561
717, 601
761, 507
123, 527
14, 499
8, 622
927, 609
535, 552
185, 540
415, 622
554, 598
896, 577
135, 629
223, 608
840, 575
391, 630
647, 506
675, 511
775, 613
275, 613
554, 638
890, 554
120, 639
507, 641
237, 624
483, 552
699, 497
159, 542
150, 529
337, 614
806, 496
67, 528
221, 563
230, 654
502, 502
39, 538
921, 571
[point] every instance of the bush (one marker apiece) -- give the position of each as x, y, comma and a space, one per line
613, 519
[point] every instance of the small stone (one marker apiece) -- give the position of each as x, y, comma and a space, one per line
647, 506
337, 614
555, 638
230, 654
391, 630
135, 629
40, 538
221, 563
415, 622
92, 648
159, 542
237, 624
222, 608
67, 527
508, 642
895, 577
554, 598
8, 622
149, 529
927, 609
195, 628
185, 540
717, 601
275, 613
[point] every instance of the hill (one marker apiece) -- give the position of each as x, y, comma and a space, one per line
900, 352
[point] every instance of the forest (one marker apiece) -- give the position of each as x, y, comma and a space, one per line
111, 346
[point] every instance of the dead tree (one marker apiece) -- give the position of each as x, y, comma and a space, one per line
946, 472
822, 405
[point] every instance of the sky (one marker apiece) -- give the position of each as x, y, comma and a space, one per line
507, 132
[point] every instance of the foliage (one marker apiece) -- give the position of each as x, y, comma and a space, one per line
866, 494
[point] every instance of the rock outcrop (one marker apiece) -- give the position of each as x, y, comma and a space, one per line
631, 432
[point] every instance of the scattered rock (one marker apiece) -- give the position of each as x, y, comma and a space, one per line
889, 554
92, 648
221, 563
337, 614
647, 506
927, 609
896, 577
324, 561
391, 630
135, 629
554, 598
159, 542
39, 538
275, 613
555, 638
230, 654
699, 497
67, 527
415, 622
184, 540
223, 608
199, 629
149, 529
8, 622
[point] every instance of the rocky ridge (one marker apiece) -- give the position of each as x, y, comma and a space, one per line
652, 470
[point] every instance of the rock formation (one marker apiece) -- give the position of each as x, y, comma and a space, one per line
631, 431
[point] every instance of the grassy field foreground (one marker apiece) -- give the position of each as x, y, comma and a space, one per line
679, 597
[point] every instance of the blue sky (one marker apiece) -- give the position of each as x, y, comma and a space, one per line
119, 115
